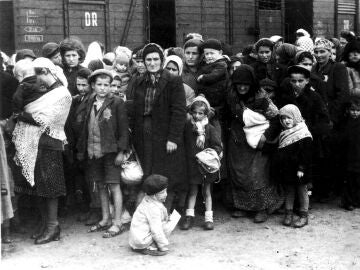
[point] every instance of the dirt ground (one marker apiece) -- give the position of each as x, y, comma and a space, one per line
331, 242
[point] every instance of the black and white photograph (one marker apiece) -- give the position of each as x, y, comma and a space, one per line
180, 134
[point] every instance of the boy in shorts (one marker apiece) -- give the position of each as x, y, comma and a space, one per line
103, 142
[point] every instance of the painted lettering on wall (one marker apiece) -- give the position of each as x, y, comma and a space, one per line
91, 19
33, 38
31, 16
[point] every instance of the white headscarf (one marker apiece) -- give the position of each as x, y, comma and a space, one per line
56, 71
177, 60
94, 52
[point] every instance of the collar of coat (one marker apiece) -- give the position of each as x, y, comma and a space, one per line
165, 77
107, 102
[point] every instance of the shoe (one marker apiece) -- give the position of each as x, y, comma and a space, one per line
288, 218
39, 230
188, 223
261, 216
349, 207
154, 252
302, 221
208, 226
50, 234
112, 233
238, 214
5, 236
98, 227
94, 217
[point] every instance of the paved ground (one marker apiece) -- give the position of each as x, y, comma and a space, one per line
331, 242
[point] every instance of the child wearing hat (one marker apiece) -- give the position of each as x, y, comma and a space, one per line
213, 75
200, 135
292, 163
149, 229
103, 142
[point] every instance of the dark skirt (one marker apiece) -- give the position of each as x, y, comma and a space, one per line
251, 187
49, 176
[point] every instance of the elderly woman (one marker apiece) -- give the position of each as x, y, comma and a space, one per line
39, 138
159, 115
248, 161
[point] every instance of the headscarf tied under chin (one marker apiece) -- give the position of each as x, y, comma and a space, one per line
175, 59
199, 126
298, 131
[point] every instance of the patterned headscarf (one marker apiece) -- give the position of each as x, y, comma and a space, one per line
305, 43
293, 112
323, 44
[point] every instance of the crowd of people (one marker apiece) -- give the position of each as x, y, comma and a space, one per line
257, 130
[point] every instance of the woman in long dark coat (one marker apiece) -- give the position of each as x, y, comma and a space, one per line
249, 168
159, 115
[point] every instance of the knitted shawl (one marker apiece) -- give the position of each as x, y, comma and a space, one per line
50, 111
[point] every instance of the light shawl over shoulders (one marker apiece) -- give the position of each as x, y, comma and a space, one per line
50, 111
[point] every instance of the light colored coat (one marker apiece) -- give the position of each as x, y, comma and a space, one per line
354, 82
149, 224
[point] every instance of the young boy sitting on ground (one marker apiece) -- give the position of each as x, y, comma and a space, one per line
150, 225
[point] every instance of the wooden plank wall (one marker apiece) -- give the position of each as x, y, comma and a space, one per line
7, 44
118, 11
323, 18
37, 22
243, 23
207, 17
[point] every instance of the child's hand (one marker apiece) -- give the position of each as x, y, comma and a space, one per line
199, 78
170, 147
119, 158
300, 174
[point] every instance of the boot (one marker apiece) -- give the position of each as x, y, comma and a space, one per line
261, 216
187, 223
288, 218
39, 229
94, 217
51, 233
5, 236
302, 221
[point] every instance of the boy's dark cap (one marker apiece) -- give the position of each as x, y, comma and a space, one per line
298, 69
154, 184
100, 72
211, 43
50, 49
21, 54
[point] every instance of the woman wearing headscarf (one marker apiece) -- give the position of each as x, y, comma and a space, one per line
351, 56
73, 54
265, 65
174, 65
285, 54
39, 138
158, 120
94, 52
335, 76
248, 160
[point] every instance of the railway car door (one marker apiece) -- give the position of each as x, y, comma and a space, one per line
7, 43
161, 20
87, 20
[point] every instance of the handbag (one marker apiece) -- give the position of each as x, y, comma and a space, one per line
132, 173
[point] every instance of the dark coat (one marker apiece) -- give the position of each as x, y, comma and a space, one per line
71, 78
311, 106
75, 120
114, 128
212, 140
168, 119
8, 85
271, 70
337, 88
213, 85
351, 142
291, 159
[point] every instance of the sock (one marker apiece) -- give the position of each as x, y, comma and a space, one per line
190, 212
209, 216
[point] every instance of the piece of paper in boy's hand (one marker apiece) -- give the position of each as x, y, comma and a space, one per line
174, 219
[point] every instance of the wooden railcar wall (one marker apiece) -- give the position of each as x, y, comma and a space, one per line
47, 17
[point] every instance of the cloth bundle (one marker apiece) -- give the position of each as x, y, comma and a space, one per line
255, 126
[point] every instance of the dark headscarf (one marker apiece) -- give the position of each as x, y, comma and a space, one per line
245, 74
351, 47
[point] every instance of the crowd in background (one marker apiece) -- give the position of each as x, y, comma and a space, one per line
257, 131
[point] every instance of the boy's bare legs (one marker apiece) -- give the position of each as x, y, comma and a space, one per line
105, 207
118, 202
